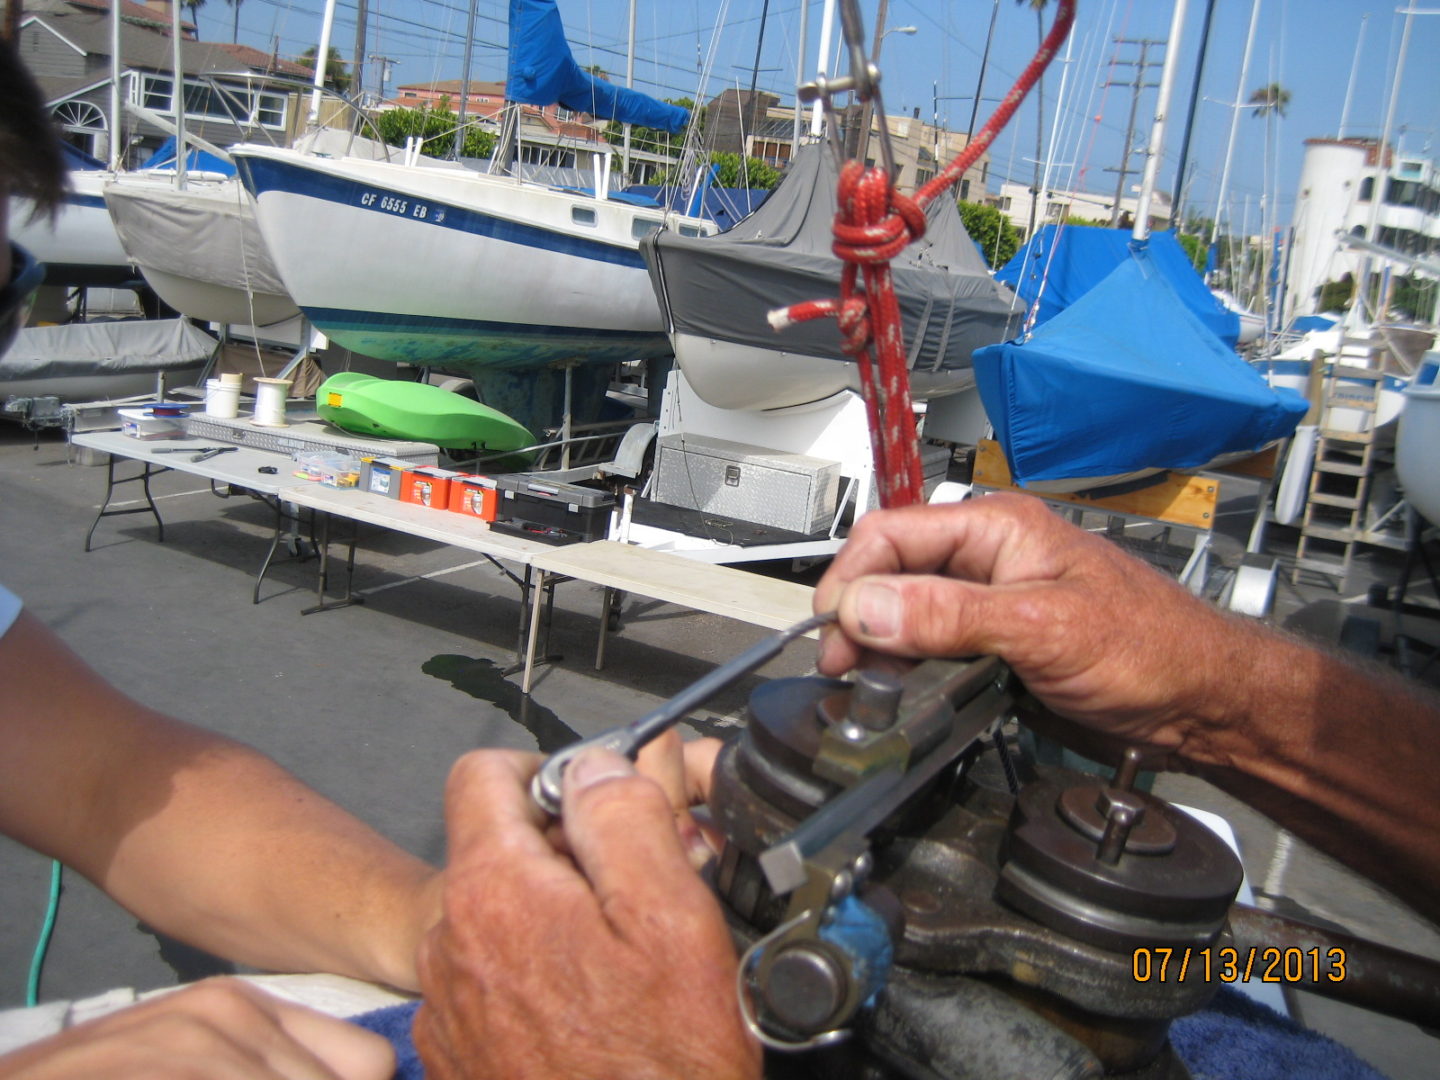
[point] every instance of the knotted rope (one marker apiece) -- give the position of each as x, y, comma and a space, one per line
873, 224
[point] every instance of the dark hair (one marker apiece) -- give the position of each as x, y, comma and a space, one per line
31, 164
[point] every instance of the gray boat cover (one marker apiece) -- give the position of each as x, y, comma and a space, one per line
723, 286
132, 345
205, 232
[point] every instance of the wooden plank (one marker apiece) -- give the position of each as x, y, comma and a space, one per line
1179, 499
662, 575
1259, 466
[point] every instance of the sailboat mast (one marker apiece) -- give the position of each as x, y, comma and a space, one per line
1141, 231
822, 69
322, 58
1377, 193
178, 93
1354, 70
1235, 120
459, 145
629, 85
116, 124
800, 74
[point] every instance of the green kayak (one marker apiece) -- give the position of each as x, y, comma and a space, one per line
418, 412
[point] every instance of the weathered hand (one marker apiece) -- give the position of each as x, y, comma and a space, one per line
604, 956
220, 1028
1098, 636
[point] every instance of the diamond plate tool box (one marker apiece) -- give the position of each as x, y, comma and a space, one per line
769, 487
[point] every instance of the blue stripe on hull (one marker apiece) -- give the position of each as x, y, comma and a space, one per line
261, 175
1301, 369
479, 344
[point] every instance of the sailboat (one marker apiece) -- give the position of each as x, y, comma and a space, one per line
1130, 380
436, 263
716, 291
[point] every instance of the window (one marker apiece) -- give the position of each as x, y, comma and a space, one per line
1005, 203
583, 215
155, 92
1367, 187
689, 230
642, 227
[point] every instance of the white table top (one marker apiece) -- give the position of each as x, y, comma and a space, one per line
720, 590
240, 467
459, 530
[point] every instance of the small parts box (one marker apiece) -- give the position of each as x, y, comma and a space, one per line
427, 487
382, 475
474, 495
142, 423
552, 513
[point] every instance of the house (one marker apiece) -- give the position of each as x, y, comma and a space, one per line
1017, 201
66, 44
549, 135
1352, 189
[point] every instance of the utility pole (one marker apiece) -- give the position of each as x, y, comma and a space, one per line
1137, 84
358, 64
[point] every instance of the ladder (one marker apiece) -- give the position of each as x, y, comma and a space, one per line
1334, 518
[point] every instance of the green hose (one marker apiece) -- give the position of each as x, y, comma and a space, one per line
37, 962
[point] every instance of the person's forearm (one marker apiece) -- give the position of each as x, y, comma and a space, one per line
201, 837
246, 862
1345, 757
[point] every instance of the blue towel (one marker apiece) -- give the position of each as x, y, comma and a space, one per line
1236, 1038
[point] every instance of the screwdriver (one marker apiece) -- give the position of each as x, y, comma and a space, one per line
630, 739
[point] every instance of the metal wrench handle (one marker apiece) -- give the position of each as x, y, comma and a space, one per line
630, 739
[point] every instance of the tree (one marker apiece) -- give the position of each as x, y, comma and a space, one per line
337, 78
1335, 295
992, 230
190, 7
755, 174
437, 130
653, 139
1273, 98
1194, 247
235, 25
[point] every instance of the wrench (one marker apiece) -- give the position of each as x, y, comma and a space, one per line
630, 739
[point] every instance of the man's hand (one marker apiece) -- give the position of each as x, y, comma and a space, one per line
220, 1028
594, 951
1098, 636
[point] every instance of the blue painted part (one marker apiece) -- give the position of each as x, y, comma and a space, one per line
93, 201
260, 175
861, 934
75, 158
1302, 368
164, 157
542, 71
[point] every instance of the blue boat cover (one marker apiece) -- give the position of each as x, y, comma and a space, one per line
722, 205
1070, 260
196, 160
1306, 323
543, 72
1124, 379
75, 158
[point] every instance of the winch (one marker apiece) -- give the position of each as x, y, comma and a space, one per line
914, 897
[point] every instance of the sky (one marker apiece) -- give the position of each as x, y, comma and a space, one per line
1337, 59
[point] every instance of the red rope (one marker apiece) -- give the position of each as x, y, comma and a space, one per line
873, 224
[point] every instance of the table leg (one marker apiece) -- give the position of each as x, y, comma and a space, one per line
111, 484
537, 598
322, 576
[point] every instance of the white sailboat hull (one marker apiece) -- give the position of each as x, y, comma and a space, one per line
79, 247
200, 249
443, 266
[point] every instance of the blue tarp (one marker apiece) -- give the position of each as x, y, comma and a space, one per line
196, 160
1306, 323
543, 72
1071, 260
75, 158
1126, 378
724, 206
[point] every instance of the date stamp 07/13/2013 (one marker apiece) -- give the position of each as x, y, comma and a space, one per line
1229, 965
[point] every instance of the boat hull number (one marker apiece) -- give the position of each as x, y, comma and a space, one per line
393, 205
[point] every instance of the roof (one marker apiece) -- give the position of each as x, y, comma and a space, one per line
142, 48
454, 86
140, 14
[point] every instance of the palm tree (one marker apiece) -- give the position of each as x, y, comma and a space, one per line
1273, 98
336, 77
235, 25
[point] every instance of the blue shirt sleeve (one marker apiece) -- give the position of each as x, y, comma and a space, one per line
9, 609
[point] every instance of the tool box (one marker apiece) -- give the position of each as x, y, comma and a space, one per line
551, 512
752, 483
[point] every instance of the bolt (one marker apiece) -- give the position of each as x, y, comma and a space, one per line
875, 699
842, 886
1118, 824
850, 731
862, 866
1129, 770
804, 989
